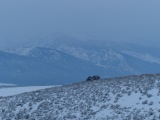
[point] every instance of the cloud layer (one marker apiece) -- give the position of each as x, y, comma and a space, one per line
29, 21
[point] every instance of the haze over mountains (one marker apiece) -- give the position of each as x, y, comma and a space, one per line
66, 60
48, 48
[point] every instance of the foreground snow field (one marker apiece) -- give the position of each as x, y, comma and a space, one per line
18, 90
123, 98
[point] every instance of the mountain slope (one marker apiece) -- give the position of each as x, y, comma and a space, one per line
123, 98
73, 60
124, 58
44, 66
122, 62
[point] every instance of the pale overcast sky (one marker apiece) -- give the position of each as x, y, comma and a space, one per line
117, 20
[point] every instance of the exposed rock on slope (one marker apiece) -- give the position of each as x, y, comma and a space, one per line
127, 98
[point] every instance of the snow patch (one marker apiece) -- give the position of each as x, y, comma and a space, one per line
144, 56
4, 92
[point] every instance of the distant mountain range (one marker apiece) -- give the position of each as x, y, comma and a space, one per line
44, 66
62, 62
122, 58
123, 62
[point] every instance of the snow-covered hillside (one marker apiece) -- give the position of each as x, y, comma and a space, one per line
108, 58
69, 60
122, 61
120, 58
123, 98
38, 52
44, 66
144, 56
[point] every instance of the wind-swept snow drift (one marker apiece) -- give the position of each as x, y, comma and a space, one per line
127, 98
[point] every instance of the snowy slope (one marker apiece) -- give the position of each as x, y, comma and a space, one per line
44, 66
123, 98
119, 56
144, 56
69, 60
119, 61
108, 58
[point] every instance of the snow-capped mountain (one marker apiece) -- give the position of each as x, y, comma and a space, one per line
119, 57
38, 52
144, 56
44, 66
107, 58
67, 60
122, 98
123, 61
